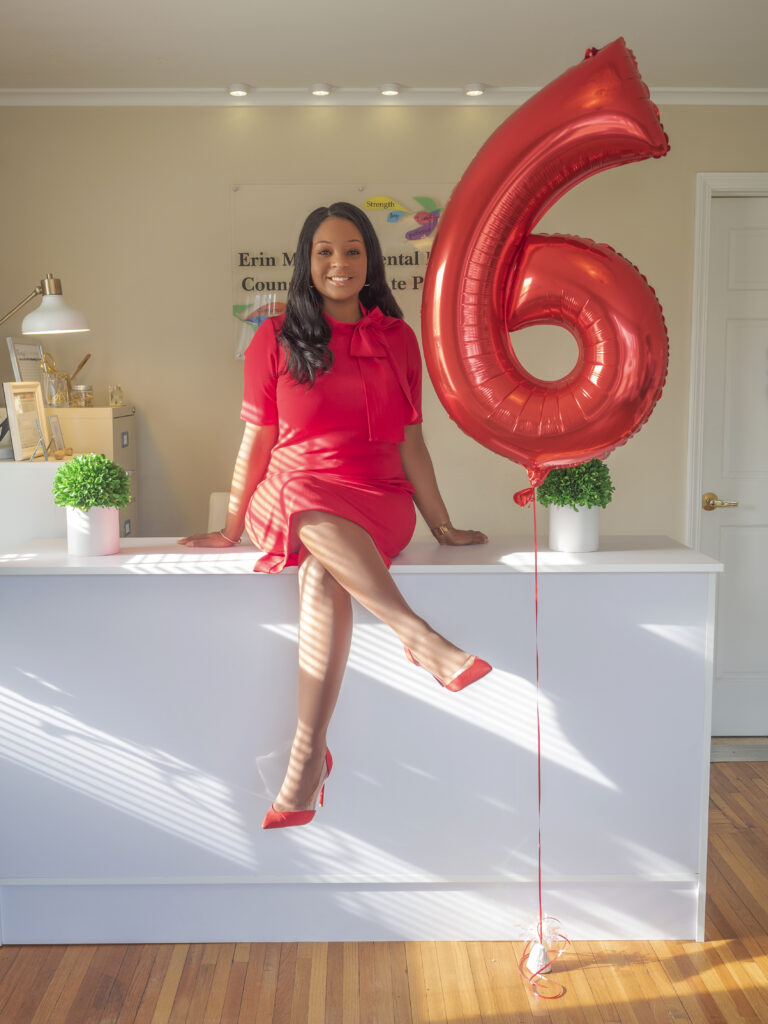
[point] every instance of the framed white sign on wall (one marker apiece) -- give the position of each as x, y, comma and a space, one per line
267, 218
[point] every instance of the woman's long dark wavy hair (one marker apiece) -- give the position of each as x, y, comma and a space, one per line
305, 334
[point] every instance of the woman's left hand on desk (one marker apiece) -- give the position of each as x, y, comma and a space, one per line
458, 538
214, 539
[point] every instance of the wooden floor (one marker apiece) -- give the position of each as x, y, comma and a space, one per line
721, 981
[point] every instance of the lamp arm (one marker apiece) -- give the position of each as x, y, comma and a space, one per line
38, 291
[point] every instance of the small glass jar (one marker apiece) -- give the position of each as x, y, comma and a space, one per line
57, 389
81, 396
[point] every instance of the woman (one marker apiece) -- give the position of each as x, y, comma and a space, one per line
330, 465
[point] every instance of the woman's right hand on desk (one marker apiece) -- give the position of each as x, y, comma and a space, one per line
208, 540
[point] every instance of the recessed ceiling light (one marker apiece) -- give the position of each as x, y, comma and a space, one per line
390, 89
321, 89
474, 89
239, 89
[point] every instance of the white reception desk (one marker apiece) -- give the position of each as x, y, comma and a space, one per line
146, 711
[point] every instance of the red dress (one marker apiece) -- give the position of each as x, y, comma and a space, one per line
337, 444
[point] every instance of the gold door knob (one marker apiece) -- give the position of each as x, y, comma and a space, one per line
710, 501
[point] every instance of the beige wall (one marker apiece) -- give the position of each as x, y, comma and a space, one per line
130, 208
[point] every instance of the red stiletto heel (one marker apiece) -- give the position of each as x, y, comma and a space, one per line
475, 669
285, 819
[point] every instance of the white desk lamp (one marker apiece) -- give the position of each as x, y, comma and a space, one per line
53, 315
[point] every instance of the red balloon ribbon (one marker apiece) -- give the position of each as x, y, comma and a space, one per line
489, 275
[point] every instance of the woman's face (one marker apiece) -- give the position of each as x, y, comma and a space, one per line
339, 265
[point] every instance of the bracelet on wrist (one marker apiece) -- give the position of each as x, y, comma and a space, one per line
441, 530
232, 542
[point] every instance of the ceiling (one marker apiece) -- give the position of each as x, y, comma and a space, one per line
161, 45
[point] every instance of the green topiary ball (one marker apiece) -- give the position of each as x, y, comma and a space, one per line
90, 481
587, 485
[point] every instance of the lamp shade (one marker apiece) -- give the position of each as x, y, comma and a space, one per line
53, 316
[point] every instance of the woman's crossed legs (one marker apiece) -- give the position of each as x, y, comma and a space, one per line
343, 562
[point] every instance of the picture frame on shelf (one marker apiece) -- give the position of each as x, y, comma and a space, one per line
56, 434
26, 359
26, 418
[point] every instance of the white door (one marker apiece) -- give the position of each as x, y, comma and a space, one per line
734, 460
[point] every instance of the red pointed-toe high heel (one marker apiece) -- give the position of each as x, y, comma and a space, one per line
475, 669
285, 819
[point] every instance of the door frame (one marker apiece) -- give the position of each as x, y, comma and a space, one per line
708, 187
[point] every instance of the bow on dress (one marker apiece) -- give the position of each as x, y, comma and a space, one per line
376, 362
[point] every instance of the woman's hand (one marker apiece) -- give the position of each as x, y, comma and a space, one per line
458, 538
208, 540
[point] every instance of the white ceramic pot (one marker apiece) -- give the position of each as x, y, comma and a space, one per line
95, 532
574, 530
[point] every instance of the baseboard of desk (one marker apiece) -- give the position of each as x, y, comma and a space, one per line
344, 912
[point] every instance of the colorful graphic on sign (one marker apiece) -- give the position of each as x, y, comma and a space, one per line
426, 218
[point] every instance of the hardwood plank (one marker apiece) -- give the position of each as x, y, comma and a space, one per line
334, 982
416, 983
223, 960
398, 966
732, 918
318, 983
242, 952
96, 985
259, 982
8, 955
286, 976
692, 992
191, 975
432, 984
260, 992
489, 1010
740, 871
134, 994
233, 996
25, 986
63, 987
11, 962
301, 983
736, 1004
578, 1005
117, 994
170, 984
459, 996
513, 993
382, 974
351, 984
151, 995
367, 978
666, 992
256, 974
592, 966
629, 983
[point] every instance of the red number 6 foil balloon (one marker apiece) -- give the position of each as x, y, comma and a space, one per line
488, 276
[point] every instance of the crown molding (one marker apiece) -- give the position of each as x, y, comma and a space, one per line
710, 97
494, 96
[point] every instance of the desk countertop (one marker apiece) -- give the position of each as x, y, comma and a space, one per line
162, 556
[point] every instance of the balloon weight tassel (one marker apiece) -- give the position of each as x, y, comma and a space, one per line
539, 956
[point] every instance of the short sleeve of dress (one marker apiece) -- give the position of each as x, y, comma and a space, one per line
262, 359
413, 373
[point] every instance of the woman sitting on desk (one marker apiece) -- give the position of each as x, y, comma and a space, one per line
330, 465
